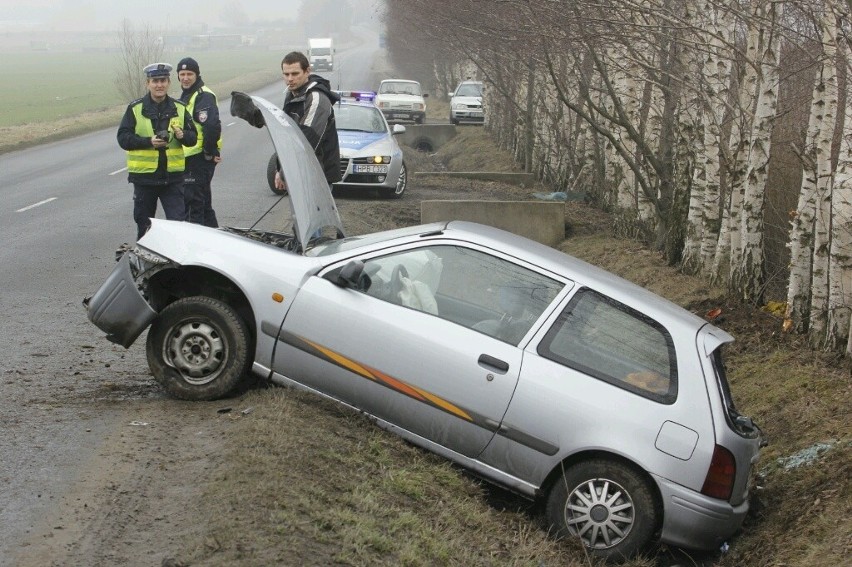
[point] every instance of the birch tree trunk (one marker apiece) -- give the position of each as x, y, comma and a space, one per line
821, 272
751, 270
728, 249
717, 74
840, 259
801, 243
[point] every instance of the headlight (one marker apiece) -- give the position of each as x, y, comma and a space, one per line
459, 106
381, 159
420, 106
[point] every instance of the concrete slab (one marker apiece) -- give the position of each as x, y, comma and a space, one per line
521, 179
543, 221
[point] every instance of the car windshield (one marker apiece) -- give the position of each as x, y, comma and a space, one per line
360, 118
469, 90
321, 51
400, 88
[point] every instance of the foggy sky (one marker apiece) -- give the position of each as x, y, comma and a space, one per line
98, 15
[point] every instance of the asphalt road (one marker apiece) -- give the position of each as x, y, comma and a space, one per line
65, 208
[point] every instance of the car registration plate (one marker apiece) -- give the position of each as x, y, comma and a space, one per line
370, 168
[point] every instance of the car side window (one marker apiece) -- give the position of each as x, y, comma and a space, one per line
482, 292
610, 341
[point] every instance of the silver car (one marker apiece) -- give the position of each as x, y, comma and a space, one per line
466, 103
535, 370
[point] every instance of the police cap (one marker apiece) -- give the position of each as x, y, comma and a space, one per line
157, 70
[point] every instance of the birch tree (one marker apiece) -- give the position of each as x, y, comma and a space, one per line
815, 157
750, 272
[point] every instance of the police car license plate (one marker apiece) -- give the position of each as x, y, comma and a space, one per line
370, 168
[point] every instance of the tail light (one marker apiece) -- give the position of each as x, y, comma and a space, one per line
721, 475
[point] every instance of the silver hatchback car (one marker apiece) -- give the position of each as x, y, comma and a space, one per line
533, 369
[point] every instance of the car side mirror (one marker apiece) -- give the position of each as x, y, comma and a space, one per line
398, 129
425, 95
450, 94
351, 276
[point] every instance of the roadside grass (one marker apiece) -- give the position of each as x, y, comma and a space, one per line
50, 96
310, 483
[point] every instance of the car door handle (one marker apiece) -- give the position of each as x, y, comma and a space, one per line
496, 363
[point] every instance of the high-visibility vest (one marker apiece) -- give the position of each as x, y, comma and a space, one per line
146, 160
199, 145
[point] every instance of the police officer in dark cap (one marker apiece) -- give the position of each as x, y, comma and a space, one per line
201, 158
154, 131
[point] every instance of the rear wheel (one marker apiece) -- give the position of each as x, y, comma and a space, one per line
401, 184
271, 170
607, 505
198, 349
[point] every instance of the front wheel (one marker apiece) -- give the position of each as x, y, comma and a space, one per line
401, 183
198, 349
607, 505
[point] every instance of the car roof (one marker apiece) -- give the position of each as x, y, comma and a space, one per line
578, 271
400, 81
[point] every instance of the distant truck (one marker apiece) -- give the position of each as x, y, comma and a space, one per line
321, 53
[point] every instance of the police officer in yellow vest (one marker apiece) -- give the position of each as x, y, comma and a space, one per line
201, 159
154, 131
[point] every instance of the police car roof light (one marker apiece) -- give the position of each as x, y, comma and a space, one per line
359, 96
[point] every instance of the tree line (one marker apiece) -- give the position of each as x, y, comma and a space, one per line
720, 132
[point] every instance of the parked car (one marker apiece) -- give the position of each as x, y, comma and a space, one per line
369, 153
401, 99
466, 103
533, 369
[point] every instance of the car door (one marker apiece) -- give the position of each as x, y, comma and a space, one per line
431, 345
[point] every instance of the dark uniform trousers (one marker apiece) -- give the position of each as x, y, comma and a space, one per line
145, 204
197, 192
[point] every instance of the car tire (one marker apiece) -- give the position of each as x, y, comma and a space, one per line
454, 121
622, 518
271, 170
198, 349
418, 120
401, 183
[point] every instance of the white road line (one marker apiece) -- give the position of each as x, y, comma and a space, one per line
36, 205
118, 171
230, 123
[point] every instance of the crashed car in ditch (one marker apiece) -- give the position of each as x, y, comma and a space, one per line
532, 369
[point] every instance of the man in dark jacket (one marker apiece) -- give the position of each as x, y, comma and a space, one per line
154, 131
201, 159
308, 101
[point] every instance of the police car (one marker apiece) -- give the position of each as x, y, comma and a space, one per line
369, 153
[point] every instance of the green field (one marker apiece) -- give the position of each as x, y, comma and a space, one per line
46, 86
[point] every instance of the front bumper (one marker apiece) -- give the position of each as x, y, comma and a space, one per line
385, 180
468, 115
692, 520
118, 307
396, 114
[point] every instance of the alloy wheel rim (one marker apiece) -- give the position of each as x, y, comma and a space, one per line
600, 512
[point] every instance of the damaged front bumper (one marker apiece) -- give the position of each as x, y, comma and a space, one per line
119, 307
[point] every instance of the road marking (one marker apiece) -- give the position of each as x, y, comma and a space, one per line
36, 205
230, 123
118, 170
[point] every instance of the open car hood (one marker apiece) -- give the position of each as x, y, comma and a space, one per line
311, 203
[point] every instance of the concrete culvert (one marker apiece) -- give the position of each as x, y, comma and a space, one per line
423, 144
